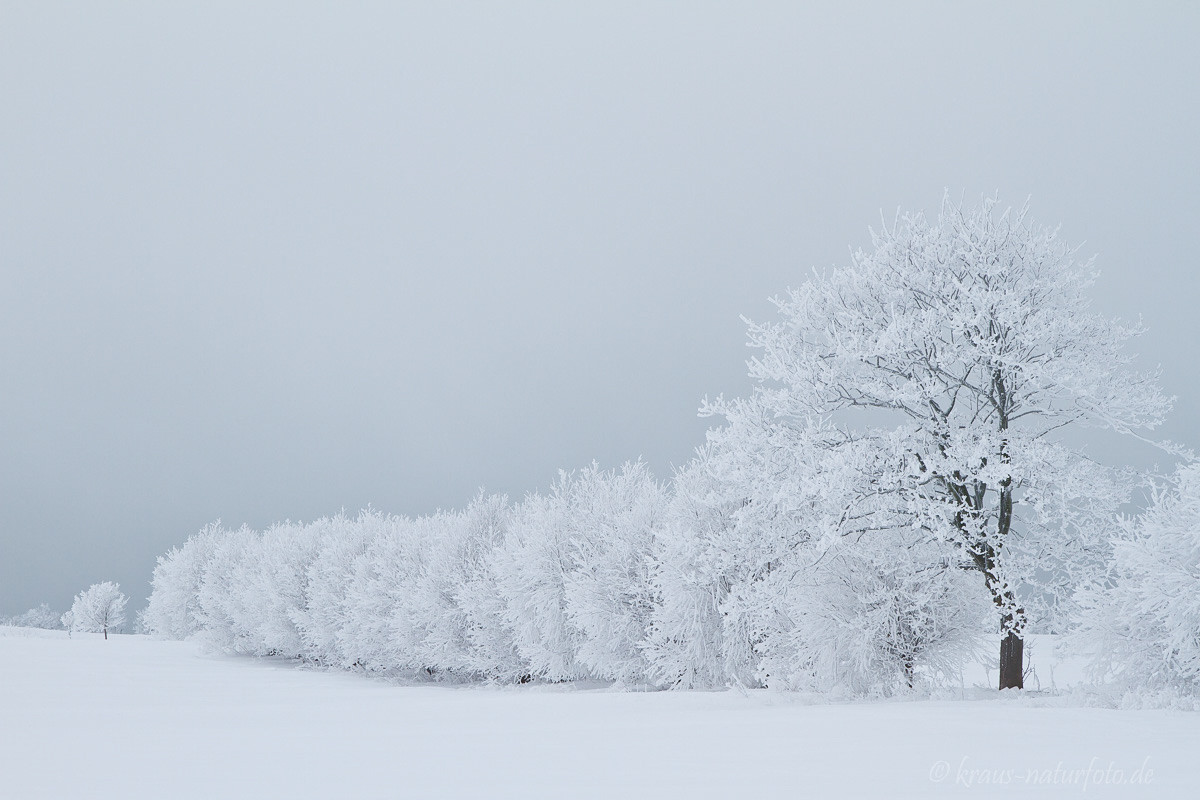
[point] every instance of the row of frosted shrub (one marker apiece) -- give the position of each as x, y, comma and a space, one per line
556, 587
610, 576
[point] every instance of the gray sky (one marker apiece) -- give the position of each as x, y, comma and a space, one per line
268, 262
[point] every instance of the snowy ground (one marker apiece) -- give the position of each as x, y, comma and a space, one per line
138, 718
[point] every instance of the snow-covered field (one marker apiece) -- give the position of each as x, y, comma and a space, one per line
135, 717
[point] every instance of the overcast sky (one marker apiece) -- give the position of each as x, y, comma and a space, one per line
262, 262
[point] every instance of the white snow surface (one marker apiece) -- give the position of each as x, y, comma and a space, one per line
137, 717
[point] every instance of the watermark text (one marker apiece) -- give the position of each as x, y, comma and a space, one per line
1097, 772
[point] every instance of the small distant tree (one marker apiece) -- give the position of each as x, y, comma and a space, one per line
96, 609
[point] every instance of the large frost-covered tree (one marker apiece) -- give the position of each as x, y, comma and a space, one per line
975, 332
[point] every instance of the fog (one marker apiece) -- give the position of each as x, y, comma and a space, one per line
272, 262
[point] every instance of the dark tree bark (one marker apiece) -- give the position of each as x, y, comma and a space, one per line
1012, 646
970, 501
1012, 662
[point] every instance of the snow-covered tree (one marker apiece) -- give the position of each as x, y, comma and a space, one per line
491, 648
574, 571
417, 575
98, 608
810, 576
464, 632
1141, 623
380, 633
608, 591
39, 617
277, 593
173, 609
227, 613
691, 641
974, 332
341, 541
531, 567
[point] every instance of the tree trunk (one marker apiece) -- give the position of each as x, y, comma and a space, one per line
1012, 661
106, 633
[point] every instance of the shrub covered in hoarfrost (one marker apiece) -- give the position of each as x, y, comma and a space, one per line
1142, 623
791, 563
39, 617
174, 605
